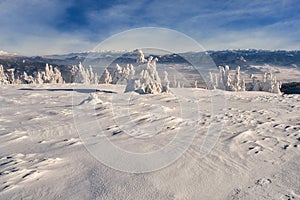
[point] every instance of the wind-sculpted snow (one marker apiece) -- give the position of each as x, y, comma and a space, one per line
257, 155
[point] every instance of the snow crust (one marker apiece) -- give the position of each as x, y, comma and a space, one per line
257, 155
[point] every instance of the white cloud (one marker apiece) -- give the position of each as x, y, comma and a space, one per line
157, 38
30, 27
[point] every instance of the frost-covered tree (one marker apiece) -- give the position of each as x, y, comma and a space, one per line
27, 79
140, 56
50, 75
117, 74
131, 72
73, 74
106, 77
146, 79
212, 83
178, 84
125, 74
196, 84
237, 86
276, 88
166, 83
92, 76
57, 78
80, 75
11, 75
3, 76
224, 81
256, 85
268, 83
39, 78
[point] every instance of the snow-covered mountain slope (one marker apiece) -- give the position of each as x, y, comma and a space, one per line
42, 156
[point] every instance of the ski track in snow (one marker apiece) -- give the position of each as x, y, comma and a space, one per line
42, 156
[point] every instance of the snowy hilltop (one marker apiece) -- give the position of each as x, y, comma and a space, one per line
256, 156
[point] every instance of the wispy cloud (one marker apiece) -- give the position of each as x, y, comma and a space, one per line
44, 26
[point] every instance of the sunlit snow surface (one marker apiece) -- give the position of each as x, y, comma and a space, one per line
45, 155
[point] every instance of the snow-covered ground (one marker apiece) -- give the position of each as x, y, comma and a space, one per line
48, 143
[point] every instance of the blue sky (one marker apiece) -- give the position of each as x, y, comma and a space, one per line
37, 27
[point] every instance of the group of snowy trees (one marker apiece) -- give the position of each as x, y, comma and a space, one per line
225, 81
268, 83
146, 78
82, 75
143, 78
50, 75
119, 75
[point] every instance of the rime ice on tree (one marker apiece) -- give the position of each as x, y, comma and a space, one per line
224, 81
146, 79
165, 83
269, 83
117, 74
140, 56
85, 76
27, 79
106, 77
3, 76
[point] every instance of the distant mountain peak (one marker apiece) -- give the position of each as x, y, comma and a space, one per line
3, 53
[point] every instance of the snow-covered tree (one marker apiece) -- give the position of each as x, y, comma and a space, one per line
11, 75
166, 83
146, 79
117, 74
140, 57
276, 88
80, 75
3, 76
106, 77
131, 72
50, 75
212, 83
57, 78
85, 76
27, 79
270, 83
256, 86
92, 76
39, 79
237, 86
224, 81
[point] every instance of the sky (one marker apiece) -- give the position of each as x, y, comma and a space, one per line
41, 27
